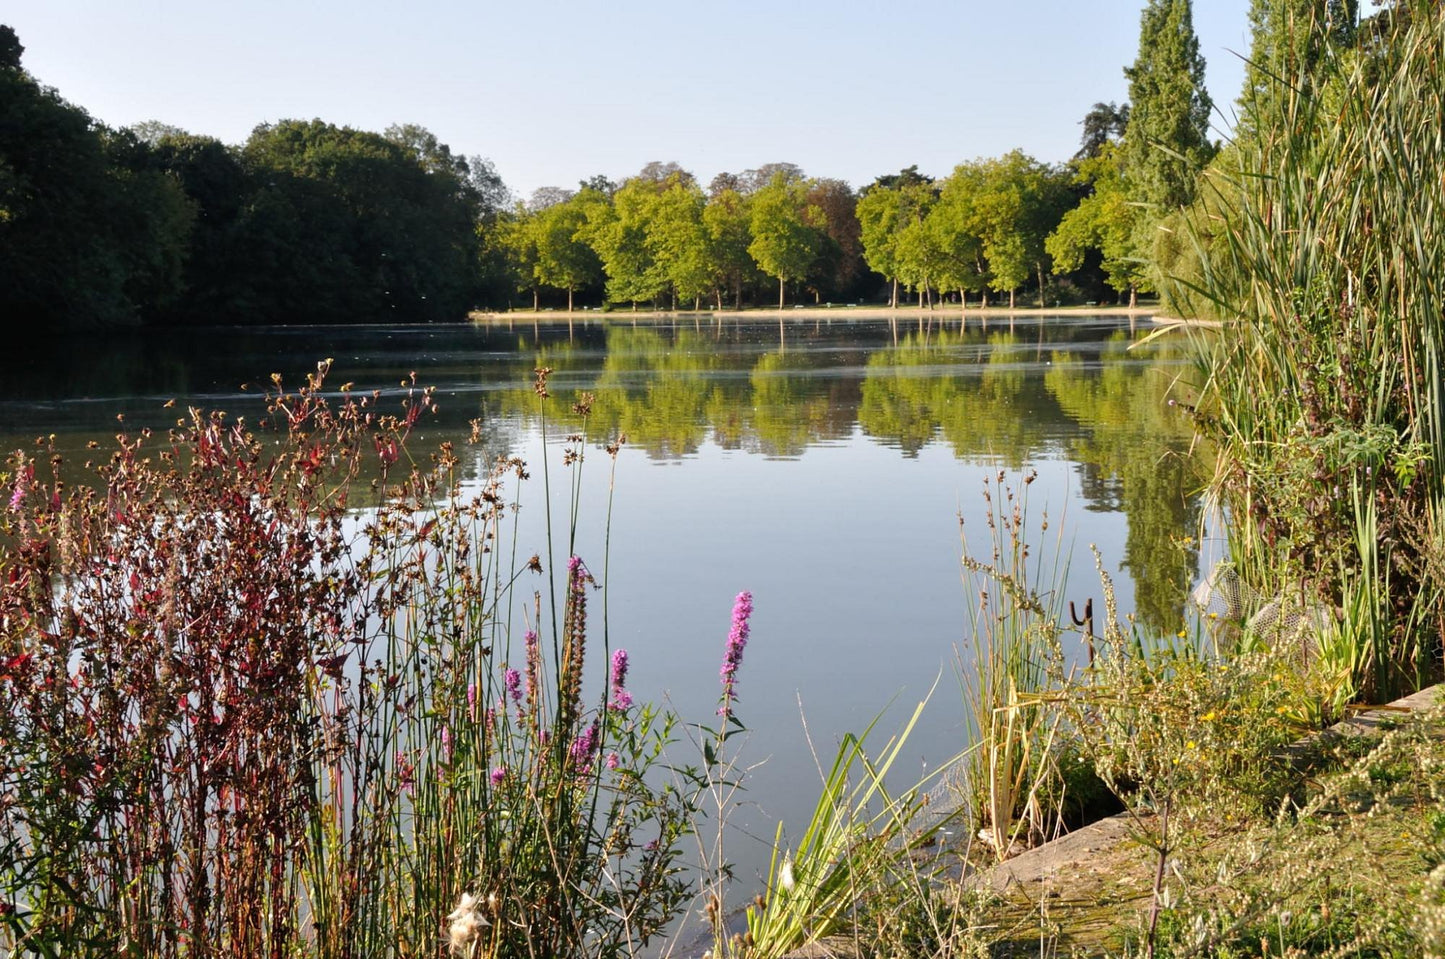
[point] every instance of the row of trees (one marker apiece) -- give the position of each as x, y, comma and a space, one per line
992, 225
659, 238
306, 221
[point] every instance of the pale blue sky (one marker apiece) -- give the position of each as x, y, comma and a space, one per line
556, 91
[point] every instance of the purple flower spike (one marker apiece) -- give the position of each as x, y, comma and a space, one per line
498, 775
621, 698
513, 681
584, 745
733, 654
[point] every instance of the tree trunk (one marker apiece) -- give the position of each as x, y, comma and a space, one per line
1043, 303
696, 304
782, 286
1133, 296
1011, 299
983, 305
569, 299
536, 300
962, 298
893, 300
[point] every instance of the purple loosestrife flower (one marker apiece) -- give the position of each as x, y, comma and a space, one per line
621, 698
574, 643
733, 653
499, 774
583, 745
534, 670
612, 761
512, 680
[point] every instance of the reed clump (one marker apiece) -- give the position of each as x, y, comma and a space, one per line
1323, 392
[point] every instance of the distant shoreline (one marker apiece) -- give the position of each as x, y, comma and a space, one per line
813, 312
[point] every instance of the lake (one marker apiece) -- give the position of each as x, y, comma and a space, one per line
821, 463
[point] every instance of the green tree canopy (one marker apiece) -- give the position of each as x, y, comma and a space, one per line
1104, 220
786, 238
563, 259
1166, 143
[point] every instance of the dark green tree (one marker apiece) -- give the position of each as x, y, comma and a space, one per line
90, 233
1166, 142
1104, 123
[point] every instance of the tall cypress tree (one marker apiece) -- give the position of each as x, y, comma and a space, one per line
1166, 143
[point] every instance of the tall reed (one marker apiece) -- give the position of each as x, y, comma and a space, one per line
1324, 390
1016, 626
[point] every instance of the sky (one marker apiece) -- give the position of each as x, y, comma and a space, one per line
554, 92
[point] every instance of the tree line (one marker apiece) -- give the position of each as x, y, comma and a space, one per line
310, 222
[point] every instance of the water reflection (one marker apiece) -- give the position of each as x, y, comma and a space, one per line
1006, 394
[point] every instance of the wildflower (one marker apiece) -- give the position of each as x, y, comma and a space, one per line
1209, 717
464, 924
612, 761
406, 772
512, 680
733, 653
447, 743
472, 700
22, 481
1191, 745
584, 745
499, 773
1181, 634
621, 698
534, 668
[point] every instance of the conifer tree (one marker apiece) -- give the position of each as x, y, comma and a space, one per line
1166, 143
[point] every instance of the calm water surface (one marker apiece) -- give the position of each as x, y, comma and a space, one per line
823, 466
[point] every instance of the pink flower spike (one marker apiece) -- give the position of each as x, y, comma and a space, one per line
733, 653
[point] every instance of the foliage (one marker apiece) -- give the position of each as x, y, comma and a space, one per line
91, 234
885, 211
563, 260
1323, 393
257, 723
1105, 220
1166, 142
785, 229
1006, 206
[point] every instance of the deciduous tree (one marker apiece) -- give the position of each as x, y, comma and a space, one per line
786, 237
